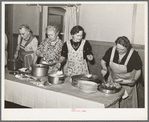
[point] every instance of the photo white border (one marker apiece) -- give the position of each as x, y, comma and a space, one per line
67, 114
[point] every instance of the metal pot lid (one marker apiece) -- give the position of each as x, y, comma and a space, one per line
39, 66
56, 75
87, 77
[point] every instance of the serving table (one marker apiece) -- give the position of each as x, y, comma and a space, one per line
65, 95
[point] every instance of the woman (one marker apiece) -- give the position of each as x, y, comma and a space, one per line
75, 52
6, 53
50, 49
26, 46
124, 67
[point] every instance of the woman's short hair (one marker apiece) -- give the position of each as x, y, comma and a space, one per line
76, 29
123, 40
53, 28
26, 27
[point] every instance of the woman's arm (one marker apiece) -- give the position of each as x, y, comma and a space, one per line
58, 48
40, 48
64, 52
104, 67
39, 53
34, 45
64, 55
88, 51
18, 46
135, 78
130, 81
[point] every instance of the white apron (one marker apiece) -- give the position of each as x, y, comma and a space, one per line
120, 71
27, 57
76, 64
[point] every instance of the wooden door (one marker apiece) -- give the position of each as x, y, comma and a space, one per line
56, 17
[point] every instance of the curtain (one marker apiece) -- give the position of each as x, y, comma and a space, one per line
69, 21
45, 19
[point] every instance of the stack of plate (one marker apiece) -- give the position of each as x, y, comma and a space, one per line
87, 86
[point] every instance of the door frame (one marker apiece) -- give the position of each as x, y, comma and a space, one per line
9, 29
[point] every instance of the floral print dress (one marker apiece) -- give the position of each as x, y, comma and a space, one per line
76, 64
51, 51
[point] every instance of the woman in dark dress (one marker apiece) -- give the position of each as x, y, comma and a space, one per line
124, 64
76, 53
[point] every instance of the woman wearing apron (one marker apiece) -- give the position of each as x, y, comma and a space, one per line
27, 46
75, 52
6, 53
124, 66
50, 49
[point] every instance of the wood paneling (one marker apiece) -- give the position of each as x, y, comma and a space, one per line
40, 24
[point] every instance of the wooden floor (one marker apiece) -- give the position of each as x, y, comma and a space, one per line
13, 105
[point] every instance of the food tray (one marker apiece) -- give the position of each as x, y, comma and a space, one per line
24, 71
48, 63
88, 91
108, 91
83, 77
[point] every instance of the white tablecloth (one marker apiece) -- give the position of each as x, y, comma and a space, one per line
56, 96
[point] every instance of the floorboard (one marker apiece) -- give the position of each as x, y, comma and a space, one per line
13, 105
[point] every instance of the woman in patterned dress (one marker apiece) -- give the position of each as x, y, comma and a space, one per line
50, 49
76, 53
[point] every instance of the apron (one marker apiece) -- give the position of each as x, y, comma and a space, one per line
120, 71
26, 56
76, 64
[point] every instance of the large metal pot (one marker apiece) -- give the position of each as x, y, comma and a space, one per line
14, 64
39, 70
56, 79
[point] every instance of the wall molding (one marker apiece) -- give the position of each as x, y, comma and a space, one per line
93, 42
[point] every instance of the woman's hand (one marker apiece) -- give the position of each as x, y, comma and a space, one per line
39, 54
118, 80
128, 82
103, 72
90, 57
132, 84
58, 65
104, 67
61, 59
16, 55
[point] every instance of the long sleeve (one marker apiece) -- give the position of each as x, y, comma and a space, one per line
64, 52
87, 49
34, 46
